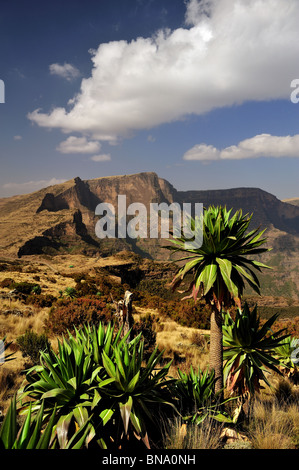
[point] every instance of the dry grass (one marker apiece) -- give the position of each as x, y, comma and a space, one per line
11, 379
50, 282
53, 275
274, 427
178, 435
186, 346
274, 423
12, 326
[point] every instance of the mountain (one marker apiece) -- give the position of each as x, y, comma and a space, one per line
293, 200
61, 219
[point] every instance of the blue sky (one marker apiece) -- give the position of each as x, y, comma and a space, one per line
196, 90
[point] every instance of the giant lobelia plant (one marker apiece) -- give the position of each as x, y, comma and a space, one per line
99, 378
70, 380
194, 390
219, 268
33, 434
287, 354
249, 351
135, 395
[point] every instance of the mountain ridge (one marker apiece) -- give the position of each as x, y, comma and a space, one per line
61, 219
59, 210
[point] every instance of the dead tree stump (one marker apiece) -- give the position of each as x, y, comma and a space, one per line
124, 314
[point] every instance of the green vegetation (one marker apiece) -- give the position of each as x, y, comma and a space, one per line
70, 292
249, 351
197, 400
32, 434
219, 268
31, 344
92, 386
97, 377
67, 315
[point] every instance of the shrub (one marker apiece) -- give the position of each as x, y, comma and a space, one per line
25, 287
7, 283
36, 290
109, 288
31, 344
188, 314
42, 300
199, 339
283, 391
86, 288
69, 314
70, 292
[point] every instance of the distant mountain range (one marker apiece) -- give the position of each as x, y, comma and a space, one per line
61, 219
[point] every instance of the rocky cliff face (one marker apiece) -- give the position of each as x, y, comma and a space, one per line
61, 220
62, 217
267, 210
142, 187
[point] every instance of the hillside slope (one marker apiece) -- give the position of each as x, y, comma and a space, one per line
61, 219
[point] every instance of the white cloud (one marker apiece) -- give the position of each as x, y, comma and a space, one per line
67, 71
101, 158
202, 152
195, 10
231, 51
18, 137
263, 145
11, 189
78, 145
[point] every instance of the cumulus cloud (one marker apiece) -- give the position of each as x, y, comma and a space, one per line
67, 71
11, 189
195, 10
202, 152
101, 158
228, 52
263, 145
18, 137
78, 145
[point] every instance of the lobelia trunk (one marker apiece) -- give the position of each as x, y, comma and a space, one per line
128, 317
124, 314
216, 348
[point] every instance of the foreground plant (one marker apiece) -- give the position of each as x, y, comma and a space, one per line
197, 400
219, 268
69, 381
249, 351
30, 435
287, 354
98, 378
136, 393
33, 434
32, 343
